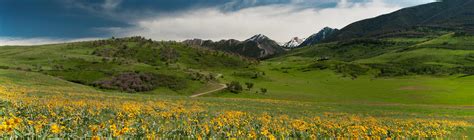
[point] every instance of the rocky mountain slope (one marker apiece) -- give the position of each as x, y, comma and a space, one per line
293, 43
258, 46
318, 37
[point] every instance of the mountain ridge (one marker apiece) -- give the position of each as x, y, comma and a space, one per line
453, 15
318, 37
258, 46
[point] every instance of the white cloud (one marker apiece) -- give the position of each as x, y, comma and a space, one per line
9, 41
279, 22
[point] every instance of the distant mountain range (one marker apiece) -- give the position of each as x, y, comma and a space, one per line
318, 37
258, 46
418, 21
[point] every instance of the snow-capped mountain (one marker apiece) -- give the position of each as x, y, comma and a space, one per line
293, 43
318, 37
258, 46
266, 46
258, 38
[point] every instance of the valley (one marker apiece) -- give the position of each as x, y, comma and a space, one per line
308, 81
395, 76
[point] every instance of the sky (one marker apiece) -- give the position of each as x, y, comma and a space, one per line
30, 22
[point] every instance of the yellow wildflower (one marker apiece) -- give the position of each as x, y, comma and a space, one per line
56, 129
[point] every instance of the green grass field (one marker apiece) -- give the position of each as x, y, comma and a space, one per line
296, 83
327, 86
284, 77
44, 83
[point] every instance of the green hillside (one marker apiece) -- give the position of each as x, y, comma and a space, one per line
449, 50
175, 67
428, 70
417, 21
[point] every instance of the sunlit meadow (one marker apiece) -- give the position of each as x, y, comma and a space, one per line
61, 114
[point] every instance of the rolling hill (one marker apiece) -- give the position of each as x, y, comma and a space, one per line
132, 64
422, 20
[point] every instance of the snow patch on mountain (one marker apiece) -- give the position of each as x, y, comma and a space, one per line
294, 42
318, 37
258, 38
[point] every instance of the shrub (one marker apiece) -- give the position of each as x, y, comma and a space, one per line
234, 87
402, 69
352, 70
319, 65
140, 82
249, 85
263, 90
197, 76
249, 74
169, 55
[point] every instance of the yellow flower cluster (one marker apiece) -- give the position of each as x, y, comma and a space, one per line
10, 124
97, 116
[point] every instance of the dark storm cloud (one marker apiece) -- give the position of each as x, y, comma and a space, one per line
46, 18
83, 18
72, 19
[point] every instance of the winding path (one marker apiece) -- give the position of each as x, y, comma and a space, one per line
221, 87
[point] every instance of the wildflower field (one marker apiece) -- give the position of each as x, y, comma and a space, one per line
66, 112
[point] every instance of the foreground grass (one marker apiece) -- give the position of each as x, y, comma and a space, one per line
39, 106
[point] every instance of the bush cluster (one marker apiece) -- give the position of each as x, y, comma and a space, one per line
140, 82
234, 87
346, 69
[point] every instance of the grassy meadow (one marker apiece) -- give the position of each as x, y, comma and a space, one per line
395, 88
47, 107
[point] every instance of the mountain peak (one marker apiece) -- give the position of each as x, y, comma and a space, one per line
318, 37
294, 42
326, 28
258, 46
258, 38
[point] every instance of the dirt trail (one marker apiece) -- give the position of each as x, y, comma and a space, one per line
221, 87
